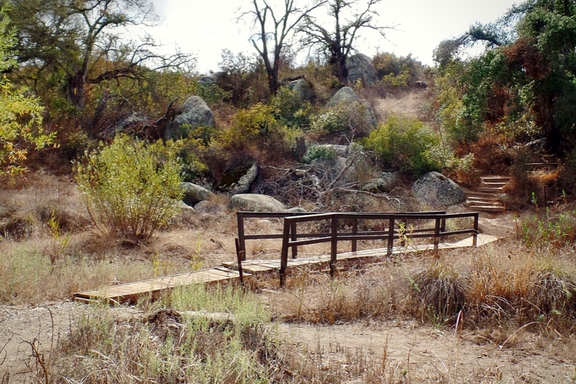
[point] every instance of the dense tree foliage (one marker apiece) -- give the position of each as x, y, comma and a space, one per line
74, 55
20, 114
524, 84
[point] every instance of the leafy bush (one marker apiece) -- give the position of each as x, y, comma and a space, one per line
331, 121
406, 145
320, 152
398, 80
131, 189
290, 110
248, 125
387, 63
556, 229
353, 119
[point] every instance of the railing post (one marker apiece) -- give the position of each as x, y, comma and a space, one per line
333, 244
284, 253
475, 234
239, 255
390, 235
294, 238
354, 233
241, 238
436, 233
404, 228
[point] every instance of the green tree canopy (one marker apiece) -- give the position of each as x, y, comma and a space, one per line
526, 76
73, 52
20, 114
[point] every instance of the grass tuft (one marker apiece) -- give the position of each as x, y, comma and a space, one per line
439, 291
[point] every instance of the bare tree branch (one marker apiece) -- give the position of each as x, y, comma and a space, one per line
274, 29
338, 43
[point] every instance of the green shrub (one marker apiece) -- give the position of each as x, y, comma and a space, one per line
354, 119
320, 152
406, 145
555, 229
131, 189
210, 93
398, 80
331, 121
290, 110
248, 125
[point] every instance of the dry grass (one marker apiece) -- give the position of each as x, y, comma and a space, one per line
507, 295
502, 286
413, 104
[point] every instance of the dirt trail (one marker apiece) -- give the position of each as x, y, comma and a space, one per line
424, 352
403, 348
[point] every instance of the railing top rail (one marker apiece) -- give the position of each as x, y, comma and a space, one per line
383, 216
272, 214
284, 214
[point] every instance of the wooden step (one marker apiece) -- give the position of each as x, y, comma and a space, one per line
482, 198
495, 178
487, 208
486, 197
495, 190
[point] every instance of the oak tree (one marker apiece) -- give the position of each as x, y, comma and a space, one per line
68, 48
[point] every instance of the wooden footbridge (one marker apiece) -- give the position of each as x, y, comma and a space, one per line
382, 234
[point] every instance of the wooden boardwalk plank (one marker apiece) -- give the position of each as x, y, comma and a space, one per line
132, 291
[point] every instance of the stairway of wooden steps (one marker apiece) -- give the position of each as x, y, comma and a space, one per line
487, 196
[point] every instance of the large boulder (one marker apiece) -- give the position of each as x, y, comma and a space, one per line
344, 95
437, 190
195, 113
239, 179
256, 203
385, 183
360, 68
245, 182
193, 193
358, 112
131, 124
303, 89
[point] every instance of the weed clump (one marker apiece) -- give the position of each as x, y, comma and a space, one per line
221, 335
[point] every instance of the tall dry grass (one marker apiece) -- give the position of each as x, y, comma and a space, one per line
503, 285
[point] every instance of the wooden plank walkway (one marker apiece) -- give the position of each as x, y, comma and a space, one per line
131, 292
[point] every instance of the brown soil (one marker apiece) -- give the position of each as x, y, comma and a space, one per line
399, 348
435, 355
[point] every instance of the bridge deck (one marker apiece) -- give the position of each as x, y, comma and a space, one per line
131, 292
